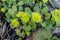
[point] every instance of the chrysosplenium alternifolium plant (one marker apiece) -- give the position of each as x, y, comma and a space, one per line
36, 17
25, 18
2, 10
14, 23
19, 14
56, 16
45, 1
26, 15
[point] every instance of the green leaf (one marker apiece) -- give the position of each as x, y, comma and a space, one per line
44, 10
13, 0
47, 16
27, 9
43, 24
42, 34
36, 8
20, 3
49, 24
20, 8
26, 28
12, 11
3, 3
7, 15
24, 1
37, 1
8, 19
48, 27
32, 25
6, 7
57, 24
9, 1
19, 33
40, 4
31, 5
54, 38
19, 38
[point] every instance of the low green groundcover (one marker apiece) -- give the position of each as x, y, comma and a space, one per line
26, 16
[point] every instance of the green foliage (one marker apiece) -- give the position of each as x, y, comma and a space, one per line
20, 8
21, 34
20, 39
54, 38
27, 9
42, 34
47, 24
32, 25
26, 28
20, 3
47, 16
44, 10
36, 8
7, 15
28, 14
8, 19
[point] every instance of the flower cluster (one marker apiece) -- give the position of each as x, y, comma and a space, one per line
56, 15
45, 1
14, 23
19, 14
2, 10
3, 0
36, 17
25, 17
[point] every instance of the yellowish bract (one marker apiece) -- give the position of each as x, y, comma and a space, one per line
36, 17
2, 10
3, 0
14, 23
25, 17
45, 1
17, 31
28, 33
19, 14
56, 15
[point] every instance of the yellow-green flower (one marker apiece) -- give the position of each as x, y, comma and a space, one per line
3, 0
36, 17
19, 14
14, 23
17, 31
45, 1
25, 17
2, 10
27, 33
56, 15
